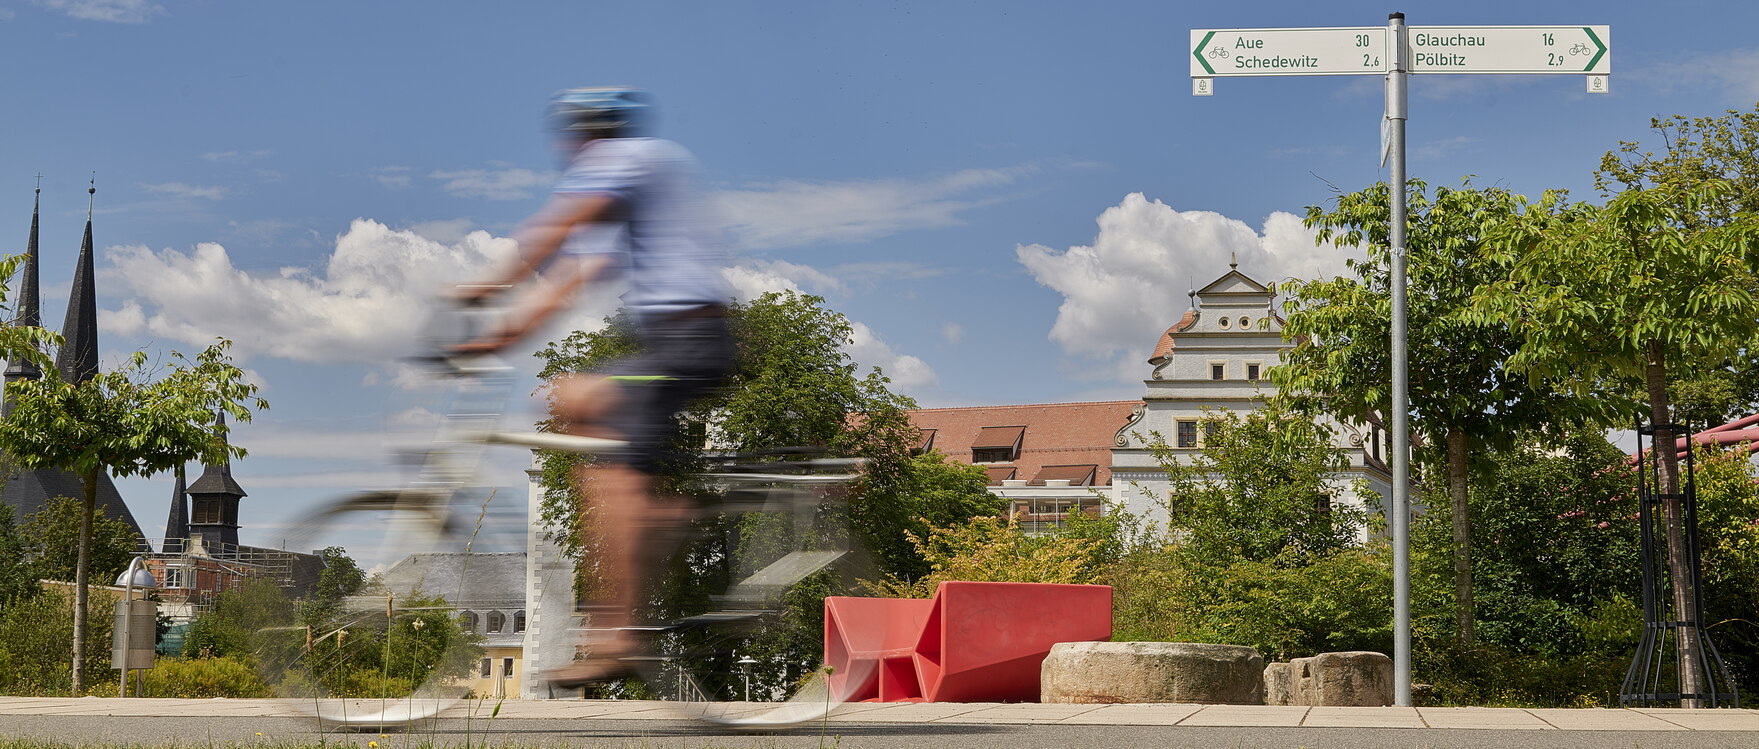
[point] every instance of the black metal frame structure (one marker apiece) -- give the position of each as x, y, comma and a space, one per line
1657, 658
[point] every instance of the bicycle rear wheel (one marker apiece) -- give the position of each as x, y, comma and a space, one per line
742, 645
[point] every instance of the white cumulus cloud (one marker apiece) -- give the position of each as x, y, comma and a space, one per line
1122, 291
365, 304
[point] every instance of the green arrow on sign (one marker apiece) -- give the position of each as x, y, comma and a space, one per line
1597, 43
1211, 35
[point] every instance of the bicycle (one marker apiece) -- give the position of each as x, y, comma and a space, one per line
764, 524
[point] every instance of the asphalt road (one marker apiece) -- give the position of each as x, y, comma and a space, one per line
269, 732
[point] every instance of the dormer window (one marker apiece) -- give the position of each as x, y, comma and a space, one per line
997, 444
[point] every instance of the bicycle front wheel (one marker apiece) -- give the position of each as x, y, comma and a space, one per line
365, 650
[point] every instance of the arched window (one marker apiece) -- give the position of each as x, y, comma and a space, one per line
467, 621
518, 621
497, 621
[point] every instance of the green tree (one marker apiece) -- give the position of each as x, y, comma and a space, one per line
1628, 292
1460, 392
1699, 150
132, 421
1261, 489
53, 541
17, 579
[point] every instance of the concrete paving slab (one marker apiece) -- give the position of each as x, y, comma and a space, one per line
1246, 715
1706, 719
1363, 717
1508, 718
906, 712
1135, 715
1601, 719
1021, 713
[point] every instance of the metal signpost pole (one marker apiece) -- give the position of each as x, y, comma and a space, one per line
1400, 511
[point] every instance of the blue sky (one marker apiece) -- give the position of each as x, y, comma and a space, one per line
1010, 198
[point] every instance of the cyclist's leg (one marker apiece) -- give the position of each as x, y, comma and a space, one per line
637, 403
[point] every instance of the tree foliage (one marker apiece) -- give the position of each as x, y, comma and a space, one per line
1261, 489
1460, 392
52, 541
1341, 326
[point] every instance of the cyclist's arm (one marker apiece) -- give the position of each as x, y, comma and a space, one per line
542, 235
553, 300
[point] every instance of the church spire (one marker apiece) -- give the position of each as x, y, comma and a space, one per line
214, 497
177, 525
78, 359
29, 298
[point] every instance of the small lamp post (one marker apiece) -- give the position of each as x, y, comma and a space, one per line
131, 578
745, 665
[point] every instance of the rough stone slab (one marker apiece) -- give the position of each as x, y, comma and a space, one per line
1706, 719
1360, 678
1127, 672
1482, 717
1279, 684
1246, 715
1363, 717
1601, 719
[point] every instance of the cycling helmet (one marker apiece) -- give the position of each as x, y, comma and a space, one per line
601, 111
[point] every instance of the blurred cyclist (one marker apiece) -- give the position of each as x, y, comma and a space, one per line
624, 206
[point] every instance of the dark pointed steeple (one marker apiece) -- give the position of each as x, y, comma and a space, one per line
214, 501
177, 525
29, 299
27, 491
78, 358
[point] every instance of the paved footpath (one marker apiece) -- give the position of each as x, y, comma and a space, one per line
166, 722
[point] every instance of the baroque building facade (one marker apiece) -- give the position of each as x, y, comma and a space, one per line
1216, 358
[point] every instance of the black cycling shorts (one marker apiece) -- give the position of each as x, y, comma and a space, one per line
684, 357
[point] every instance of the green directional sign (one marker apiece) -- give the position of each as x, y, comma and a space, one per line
1510, 49
1219, 53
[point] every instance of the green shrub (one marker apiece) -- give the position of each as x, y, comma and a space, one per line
36, 642
203, 678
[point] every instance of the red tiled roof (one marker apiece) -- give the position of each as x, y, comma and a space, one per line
1056, 434
1164, 348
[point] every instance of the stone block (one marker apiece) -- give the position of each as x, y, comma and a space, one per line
1279, 684
1126, 672
1353, 679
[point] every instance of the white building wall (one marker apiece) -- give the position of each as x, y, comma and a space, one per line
1182, 388
551, 625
